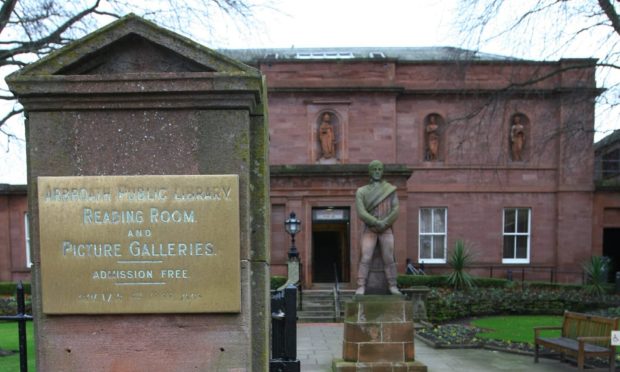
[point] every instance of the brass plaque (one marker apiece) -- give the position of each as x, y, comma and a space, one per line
140, 244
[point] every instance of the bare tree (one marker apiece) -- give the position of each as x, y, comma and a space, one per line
551, 29
30, 29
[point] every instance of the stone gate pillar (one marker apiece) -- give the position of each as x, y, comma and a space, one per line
149, 206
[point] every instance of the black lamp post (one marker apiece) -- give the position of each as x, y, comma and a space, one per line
292, 225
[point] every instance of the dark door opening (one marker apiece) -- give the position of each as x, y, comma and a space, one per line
611, 249
330, 248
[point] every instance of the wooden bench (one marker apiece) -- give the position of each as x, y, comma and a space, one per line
583, 335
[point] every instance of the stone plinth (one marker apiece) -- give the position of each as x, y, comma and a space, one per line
418, 296
378, 335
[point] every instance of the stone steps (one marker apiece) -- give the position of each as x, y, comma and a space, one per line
318, 305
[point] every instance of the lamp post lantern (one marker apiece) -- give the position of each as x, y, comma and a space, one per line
292, 225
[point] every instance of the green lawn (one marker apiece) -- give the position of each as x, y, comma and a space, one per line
519, 328
9, 341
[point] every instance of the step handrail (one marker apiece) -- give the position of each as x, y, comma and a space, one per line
336, 295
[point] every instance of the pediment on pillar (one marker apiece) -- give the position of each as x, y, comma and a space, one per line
134, 45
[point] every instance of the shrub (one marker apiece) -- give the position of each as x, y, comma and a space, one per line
612, 312
8, 306
459, 260
596, 270
553, 286
277, 281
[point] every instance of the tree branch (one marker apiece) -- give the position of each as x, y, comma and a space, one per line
5, 13
10, 115
12, 62
54, 37
10, 136
493, 98
610, 12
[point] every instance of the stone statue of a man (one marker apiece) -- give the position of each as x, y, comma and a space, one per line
377, 206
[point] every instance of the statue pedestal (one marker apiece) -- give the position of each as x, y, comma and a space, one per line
378, 334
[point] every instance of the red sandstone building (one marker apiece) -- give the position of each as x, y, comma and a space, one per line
491, 150
14, 252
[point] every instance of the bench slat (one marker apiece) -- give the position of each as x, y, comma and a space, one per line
569, 343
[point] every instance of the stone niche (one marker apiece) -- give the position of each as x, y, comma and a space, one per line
135, 100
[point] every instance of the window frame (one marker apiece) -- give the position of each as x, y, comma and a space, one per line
433, 233
27, 240
515, 234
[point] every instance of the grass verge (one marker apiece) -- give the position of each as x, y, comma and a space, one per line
516, 328
9, 341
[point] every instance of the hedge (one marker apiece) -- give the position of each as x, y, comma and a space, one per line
440, 281
10, 288
407, 281
443, 304
547, 285
277, 281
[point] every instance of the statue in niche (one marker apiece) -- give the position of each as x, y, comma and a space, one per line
432, 138
327, 139
517, 138
377, 207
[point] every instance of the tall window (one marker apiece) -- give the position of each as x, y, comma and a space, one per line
27, 240
516, 235
611, 164
433, 227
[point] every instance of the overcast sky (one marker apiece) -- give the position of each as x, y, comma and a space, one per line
344, 23
321, 23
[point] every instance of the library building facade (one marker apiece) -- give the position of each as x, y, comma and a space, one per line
497, 152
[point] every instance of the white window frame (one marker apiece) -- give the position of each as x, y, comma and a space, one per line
27, 240
433, 233
528, 234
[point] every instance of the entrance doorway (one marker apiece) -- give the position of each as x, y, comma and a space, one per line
330, 245
611, 249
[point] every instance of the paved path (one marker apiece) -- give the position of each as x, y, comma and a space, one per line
319, 343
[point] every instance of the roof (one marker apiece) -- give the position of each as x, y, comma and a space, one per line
405, 54
7, 189
609, 140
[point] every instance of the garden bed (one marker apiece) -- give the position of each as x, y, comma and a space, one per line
462, 335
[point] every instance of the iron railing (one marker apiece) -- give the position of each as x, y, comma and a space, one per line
336, 295
21, 318
517, 272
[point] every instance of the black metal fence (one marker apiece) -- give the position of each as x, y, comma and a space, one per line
21, 318
284, 331
517, 272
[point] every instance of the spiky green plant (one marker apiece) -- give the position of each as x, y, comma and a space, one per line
596, 272
459, 260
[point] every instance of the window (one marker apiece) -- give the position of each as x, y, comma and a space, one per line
433, 227
516, 235
27, 240
611, 164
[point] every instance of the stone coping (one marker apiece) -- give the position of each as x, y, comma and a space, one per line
330, 170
